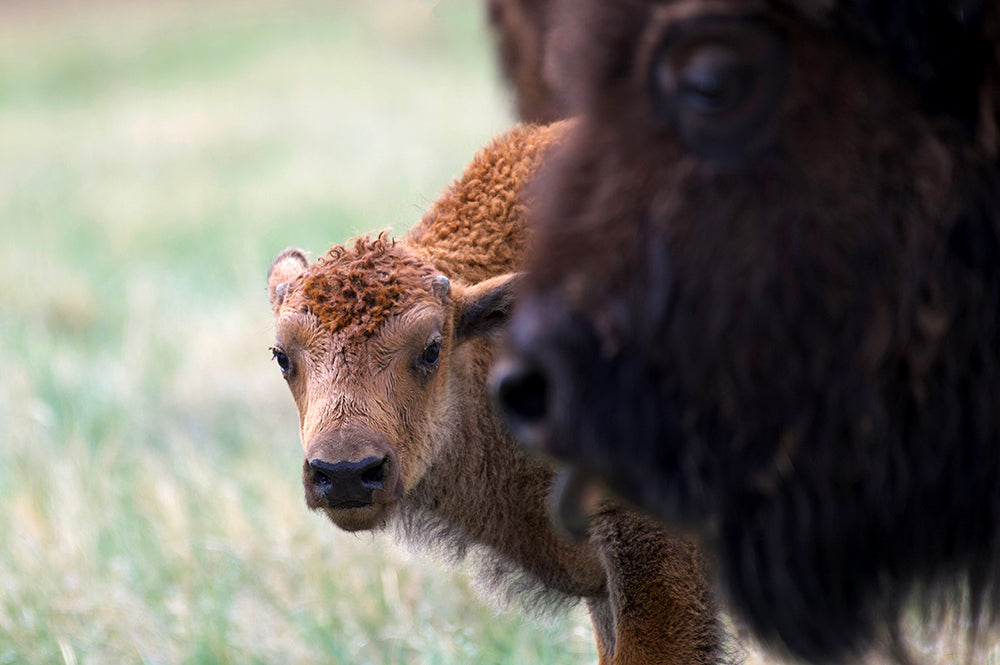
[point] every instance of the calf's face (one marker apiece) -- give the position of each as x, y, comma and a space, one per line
370, 340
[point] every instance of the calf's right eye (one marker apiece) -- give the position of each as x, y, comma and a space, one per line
431, 354
283, 362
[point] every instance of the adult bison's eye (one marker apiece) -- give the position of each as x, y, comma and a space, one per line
430, 356
283, 362
714, 81
718, 82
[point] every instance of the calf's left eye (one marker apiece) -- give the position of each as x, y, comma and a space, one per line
431, 354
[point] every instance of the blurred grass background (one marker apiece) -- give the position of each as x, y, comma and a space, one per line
154, 157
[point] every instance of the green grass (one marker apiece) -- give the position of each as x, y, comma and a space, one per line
153, 158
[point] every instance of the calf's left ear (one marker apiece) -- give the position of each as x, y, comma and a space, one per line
484, 307
286, 266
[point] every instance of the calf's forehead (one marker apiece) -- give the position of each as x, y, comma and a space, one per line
356, 287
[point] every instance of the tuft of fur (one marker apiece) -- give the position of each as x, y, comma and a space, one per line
360, 285
502, 579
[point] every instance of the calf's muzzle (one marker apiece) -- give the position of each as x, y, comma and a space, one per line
350, 467
346, 484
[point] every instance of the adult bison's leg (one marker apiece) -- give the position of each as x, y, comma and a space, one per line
659, 596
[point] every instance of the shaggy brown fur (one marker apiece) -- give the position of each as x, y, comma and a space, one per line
361, 285
765, 298
475, 230
398, 429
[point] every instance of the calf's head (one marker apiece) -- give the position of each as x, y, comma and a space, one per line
378, 349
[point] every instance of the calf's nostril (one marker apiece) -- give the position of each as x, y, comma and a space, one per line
374, 475
523, 394
320, 479
319, 476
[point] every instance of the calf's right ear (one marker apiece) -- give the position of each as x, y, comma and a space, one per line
286, 267
483, 308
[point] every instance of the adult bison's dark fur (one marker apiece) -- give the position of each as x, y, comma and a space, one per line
765, 297
521, 29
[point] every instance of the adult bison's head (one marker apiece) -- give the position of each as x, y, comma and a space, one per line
762, 294
376, 347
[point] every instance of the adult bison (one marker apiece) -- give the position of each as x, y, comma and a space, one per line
764, 298
385, 346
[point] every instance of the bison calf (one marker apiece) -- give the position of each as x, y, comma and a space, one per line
386, 345
765, 297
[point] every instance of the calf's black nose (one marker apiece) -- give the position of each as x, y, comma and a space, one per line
347, 484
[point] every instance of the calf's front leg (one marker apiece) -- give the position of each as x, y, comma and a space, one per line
659, 607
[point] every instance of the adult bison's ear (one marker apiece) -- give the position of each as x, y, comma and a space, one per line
483, 308
286, 267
